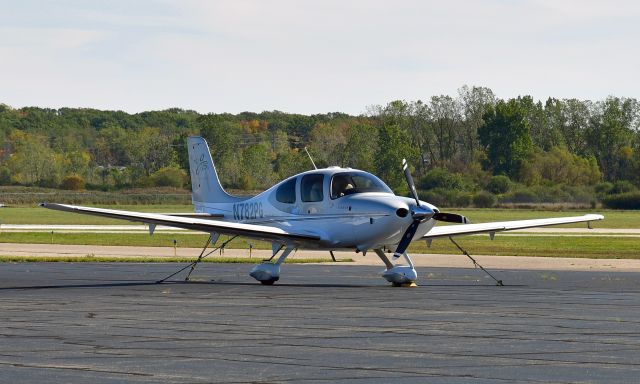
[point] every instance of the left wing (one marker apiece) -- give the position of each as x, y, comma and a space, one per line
470, 229
260, 232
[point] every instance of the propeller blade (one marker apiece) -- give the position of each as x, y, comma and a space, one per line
419, 214
406, 239
412, 186
451, 218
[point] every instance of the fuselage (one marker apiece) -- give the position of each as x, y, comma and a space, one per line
347, 208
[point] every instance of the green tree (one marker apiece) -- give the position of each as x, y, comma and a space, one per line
327, 144
112, 146
33, 162
610, 129
445, 125
359, 149
474, 102
290, 162
76, 162
256, 161
225, 141
393, 146
150, 151
576, 116
506, 138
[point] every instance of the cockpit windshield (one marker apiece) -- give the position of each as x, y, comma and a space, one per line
347, 183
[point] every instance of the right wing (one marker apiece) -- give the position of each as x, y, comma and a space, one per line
260, 232
470, 229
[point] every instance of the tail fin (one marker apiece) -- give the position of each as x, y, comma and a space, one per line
204, 178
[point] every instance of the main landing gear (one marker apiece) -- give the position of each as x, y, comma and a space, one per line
268, 273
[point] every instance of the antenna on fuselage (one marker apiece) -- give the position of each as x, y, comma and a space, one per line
308, 154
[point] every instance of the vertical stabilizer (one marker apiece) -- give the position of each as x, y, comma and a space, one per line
205, 184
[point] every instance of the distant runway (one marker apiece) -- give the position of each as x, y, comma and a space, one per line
106, 323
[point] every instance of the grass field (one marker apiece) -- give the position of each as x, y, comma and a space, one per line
612, 219
513, 245
37, 215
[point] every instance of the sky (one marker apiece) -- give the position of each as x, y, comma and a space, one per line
303, 56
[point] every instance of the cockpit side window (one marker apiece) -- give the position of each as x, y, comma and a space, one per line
341, 185
311, 188
286, 193
347, 183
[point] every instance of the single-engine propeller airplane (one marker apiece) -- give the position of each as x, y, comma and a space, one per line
329, 209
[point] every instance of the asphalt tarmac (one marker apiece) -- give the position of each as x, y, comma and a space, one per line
110, 323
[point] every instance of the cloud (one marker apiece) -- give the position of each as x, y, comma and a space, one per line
308, 56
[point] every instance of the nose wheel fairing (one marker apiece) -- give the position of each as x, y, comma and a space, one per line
398, 275
401, 275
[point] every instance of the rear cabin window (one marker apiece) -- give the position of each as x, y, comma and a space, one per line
286, 193
311, 188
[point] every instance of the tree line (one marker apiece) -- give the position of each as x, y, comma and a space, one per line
471, 148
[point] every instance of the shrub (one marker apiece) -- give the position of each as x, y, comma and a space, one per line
558, 165
499, 184
169, 177
460, 199
446, 197
579, 194
433, 196
73, 183
49, 182
603, 188
629, 200
521, 196
550, 194
622, 186
484, 199
441, 178
5, 176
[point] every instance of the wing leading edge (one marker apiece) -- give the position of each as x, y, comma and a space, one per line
261, 232
470, 229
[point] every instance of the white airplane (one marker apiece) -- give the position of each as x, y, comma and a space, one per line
329, 209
